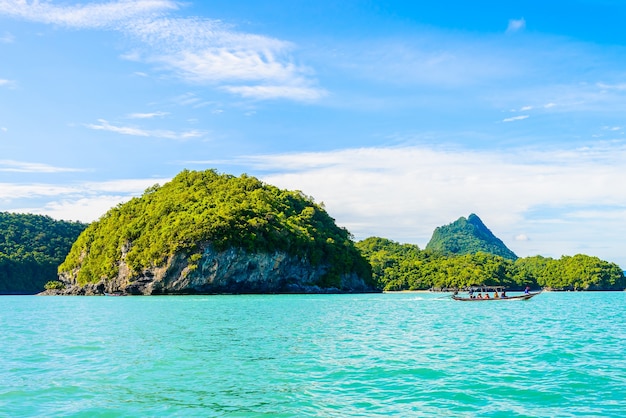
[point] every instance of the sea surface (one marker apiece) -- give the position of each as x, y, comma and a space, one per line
398, 354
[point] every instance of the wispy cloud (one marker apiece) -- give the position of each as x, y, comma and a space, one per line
515, 118
516, 25
7, 38
147, 115
6, 83
108, 15
618, 86
277, 92
198, 50
29, 167
104, 125
208, 51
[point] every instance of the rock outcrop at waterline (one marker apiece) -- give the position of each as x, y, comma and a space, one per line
205, 232
229, 271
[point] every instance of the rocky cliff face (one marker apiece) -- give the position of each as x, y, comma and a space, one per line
230, 271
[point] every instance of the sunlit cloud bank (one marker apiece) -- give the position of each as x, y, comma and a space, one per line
86, 201
198, 50
552, 202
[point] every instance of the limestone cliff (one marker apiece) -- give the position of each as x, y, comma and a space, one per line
229, 271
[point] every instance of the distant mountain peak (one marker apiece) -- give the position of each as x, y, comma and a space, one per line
468, 236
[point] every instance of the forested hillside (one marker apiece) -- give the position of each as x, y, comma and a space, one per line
467, 236
405, 267
199, 209
31, 249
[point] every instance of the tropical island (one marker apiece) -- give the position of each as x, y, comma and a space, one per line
466, 253
205, 232
31, 249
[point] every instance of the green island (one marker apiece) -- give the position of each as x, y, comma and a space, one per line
31, 249
466, 253
206, 232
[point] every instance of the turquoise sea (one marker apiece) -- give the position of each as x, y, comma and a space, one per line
406, 354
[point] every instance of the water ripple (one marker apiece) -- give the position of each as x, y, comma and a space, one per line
560, 354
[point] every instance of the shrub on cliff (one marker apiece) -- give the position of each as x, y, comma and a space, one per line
221, 210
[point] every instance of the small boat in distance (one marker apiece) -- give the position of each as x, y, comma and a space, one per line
114, 294
475, 294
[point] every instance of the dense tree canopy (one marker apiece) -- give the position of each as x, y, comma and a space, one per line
207, 208
468, 236
31, 248
405, 267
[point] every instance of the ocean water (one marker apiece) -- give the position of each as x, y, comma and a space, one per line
408, 354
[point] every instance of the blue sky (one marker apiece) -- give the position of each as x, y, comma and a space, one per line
398, 116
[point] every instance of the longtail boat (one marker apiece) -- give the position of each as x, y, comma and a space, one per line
474, 294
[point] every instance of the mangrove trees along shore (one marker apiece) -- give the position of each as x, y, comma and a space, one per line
194, 225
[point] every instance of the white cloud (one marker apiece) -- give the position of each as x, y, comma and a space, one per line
619, 86
404, 193
515, 118
104, 125
147, 115
85, 201
13, 191
81, 209
210, 52
516, 25
198, 50
93, 15
521, 237
28, 167
6, 83
277, 92
526, 108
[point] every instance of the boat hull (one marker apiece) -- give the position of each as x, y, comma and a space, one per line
520, 297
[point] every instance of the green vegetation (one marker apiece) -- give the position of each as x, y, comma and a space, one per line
31, 248
54, 285
204, 208
405, 267
468, 236
578, 272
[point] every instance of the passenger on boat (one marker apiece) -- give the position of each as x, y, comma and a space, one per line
480, 296
503, 295
486, 295
495, 294
527, 290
